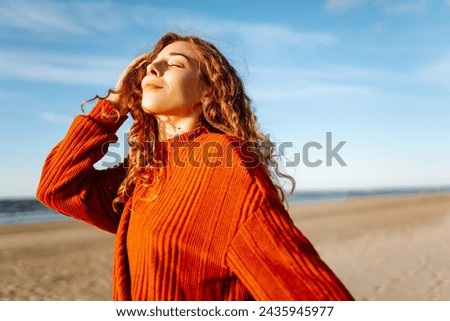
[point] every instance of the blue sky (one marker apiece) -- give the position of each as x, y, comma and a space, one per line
375, 74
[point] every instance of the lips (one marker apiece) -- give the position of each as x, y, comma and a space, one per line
151, 84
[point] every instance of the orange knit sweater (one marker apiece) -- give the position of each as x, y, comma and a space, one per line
216, 230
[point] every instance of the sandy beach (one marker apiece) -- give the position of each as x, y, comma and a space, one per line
382, 248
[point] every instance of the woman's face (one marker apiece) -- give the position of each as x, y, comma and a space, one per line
172, 86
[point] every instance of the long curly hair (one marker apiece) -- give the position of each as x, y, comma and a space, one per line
227, 109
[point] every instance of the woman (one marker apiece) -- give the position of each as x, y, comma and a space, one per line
195, 211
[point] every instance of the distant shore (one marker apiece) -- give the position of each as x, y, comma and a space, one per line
19, 210
382, 248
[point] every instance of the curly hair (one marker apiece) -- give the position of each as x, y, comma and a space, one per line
227, 109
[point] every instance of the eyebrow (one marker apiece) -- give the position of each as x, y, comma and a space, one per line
180, 54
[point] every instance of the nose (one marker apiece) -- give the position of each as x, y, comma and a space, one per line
153, 70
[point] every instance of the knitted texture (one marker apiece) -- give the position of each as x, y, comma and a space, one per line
210, 227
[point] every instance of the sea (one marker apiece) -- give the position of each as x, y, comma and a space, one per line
29, 210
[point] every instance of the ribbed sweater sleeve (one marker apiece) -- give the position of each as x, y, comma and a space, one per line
275, 261
69, 182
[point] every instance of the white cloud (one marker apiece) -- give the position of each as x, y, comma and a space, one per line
404, 8
92, 19
436, 72
260, 34
328, 81
318, 90
389, 7
37, 16
49, 17
342, 5
345, 83
61, 69
276, 35
55, 118
328, 72
268, 36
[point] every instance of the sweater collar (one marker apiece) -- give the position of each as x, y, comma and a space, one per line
162, 148
185, 137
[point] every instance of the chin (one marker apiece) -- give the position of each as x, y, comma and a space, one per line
148, 108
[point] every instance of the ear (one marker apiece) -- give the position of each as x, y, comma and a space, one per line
206, 94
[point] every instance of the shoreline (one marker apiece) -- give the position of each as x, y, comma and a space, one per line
381, 247
47, 215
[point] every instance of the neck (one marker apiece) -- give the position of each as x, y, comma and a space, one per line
169, 127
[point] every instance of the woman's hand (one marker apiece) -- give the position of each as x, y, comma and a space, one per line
116, 97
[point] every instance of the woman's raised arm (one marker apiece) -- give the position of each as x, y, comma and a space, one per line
69, 182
